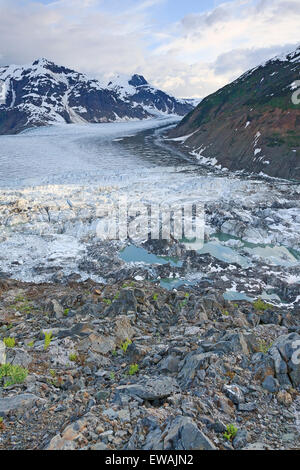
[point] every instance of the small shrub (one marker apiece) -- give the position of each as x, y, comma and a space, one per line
131, 284
48, 339
73, 357
231, 432
133, 369
124, 346
22, 305
264, 347
260, 306
14, 374
112, 376
9, 342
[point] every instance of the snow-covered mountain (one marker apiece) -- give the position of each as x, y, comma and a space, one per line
44, 93
137, 90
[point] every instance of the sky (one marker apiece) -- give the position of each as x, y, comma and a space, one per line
189, 48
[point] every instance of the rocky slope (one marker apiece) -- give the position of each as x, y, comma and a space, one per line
43, 93
132, 366
251, 124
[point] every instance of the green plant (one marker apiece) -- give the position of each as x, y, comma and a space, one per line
31, 344
106, 301
133, 369
66, 312
14, 374
48, 339
155, 297
184, 302
260, 306
73, 357
117, 296
9, 342
263, 346
112, 376
56, 381
131, 284
125, 344
22, 305
231, 432
114, 352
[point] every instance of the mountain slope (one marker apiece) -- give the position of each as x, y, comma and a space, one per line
137, 90
251, 124
44, 93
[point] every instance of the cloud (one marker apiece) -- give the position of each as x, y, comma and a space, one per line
236, 61
192, 57
221, 44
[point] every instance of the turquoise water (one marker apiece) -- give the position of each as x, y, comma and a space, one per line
135, 254
224, 253
231, 295
278, 255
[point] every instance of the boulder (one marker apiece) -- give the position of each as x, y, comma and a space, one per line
150, 390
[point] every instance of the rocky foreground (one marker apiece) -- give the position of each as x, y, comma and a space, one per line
130, 365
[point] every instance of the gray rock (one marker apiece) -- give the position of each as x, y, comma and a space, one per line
270, 384
99, 446
17, 402
241, 439
154, 389
286, 355
125, 303
183, 434
257, 446
270, 317
234, 393
247, 407
192, 363
55, 308
18, 357
2, 353
244, 343
169, 364
218, 426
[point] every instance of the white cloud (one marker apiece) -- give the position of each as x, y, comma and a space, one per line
193, 57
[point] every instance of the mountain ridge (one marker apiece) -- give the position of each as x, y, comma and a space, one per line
250, 124
43, 93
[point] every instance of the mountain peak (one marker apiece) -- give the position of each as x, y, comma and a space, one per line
137, 80
42, 61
